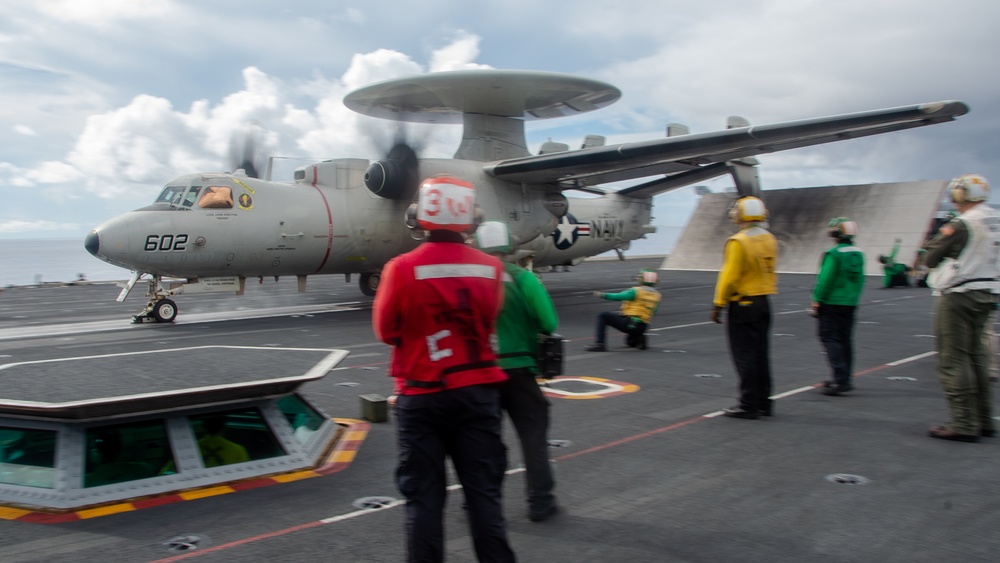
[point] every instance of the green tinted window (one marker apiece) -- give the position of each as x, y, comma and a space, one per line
126, 452
234, 437
304, 419
27, 457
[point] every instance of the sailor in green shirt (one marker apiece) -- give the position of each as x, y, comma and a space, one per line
835, 302
895, 273
527, 312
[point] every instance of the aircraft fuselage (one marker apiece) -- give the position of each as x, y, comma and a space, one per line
328, 222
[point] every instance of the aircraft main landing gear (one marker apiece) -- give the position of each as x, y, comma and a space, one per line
369, 283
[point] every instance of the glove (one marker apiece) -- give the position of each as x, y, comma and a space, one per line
716, 315
599, 294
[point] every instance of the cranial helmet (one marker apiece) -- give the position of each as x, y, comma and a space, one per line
842, 228
748, 209
444, 203
969, 188
494, 237
648, 277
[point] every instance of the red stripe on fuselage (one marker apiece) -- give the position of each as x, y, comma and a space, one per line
329, 222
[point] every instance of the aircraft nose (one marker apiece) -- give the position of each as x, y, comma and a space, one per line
92, 243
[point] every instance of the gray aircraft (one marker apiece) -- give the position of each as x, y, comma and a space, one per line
212, 231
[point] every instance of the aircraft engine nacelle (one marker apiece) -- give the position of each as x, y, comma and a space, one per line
556, 204
394, 177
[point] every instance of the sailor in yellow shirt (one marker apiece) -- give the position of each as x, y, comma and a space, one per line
217, 450
746, 279
639, 304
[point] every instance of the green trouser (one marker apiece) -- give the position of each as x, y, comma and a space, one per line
963, 365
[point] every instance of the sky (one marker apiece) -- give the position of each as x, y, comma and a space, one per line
102, 102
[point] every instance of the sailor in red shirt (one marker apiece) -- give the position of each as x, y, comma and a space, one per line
437, 307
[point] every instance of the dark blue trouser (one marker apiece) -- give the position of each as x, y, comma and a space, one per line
528, 410
748, 329
836, 330
464, 424
618, 321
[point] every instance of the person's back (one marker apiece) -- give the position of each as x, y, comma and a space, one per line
834, 303
748, 276
437, 307
446, 297
757, 257
527, 312
842, 275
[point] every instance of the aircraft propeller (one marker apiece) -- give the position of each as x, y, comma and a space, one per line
396, 176
243, 152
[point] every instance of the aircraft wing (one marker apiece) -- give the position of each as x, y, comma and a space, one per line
586, 168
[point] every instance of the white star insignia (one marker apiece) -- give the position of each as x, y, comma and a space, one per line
566, 230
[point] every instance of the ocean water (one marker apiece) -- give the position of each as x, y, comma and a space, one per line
35, 261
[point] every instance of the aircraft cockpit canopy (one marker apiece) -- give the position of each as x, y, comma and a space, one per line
190, 195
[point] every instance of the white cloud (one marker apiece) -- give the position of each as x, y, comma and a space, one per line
458, 55
52, 172
120, 102
148, 141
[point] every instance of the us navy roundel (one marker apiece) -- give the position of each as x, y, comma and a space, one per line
568, 230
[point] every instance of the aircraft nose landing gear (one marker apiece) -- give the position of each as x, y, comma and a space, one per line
160, 310
165, 311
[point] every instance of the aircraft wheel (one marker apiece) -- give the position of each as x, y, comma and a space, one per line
165, 311
369, 283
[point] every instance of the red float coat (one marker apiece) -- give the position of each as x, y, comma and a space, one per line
437, 306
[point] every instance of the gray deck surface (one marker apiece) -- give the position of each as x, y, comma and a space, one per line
648, 476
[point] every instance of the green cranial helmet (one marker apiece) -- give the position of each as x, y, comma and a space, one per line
842, 228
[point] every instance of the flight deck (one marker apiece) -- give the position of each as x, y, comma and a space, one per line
646, 468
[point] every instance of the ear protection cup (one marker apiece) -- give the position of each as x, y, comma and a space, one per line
477, 219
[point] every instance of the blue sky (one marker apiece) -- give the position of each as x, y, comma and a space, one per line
102, 102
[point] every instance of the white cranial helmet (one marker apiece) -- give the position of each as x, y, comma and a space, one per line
444, 203
748, 209
969, 188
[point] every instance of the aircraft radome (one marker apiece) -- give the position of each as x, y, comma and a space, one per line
211, 231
